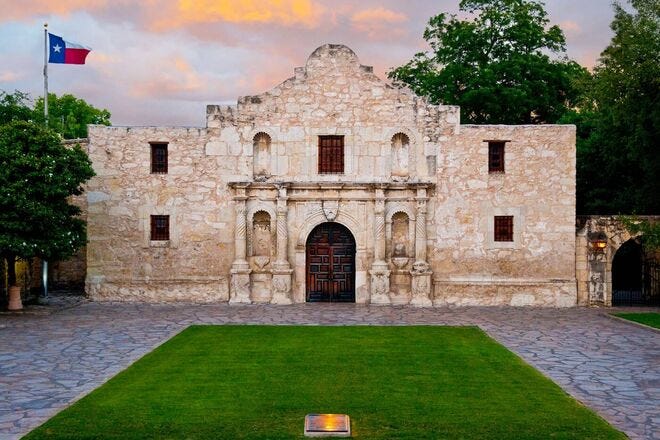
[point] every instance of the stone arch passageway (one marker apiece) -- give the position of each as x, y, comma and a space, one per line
627, 274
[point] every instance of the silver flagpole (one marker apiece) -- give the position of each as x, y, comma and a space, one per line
46, 72
44, 263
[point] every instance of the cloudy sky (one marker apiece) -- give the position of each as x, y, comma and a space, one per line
159, 62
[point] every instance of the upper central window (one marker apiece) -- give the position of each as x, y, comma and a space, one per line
331, 154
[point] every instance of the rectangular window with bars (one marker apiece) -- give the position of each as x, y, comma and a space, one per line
496, 156
331, 154
160, 227
503, 228
159, 157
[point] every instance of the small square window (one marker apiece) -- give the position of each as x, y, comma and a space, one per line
159, 157
496, 156
503, 228
331, 154
160, 227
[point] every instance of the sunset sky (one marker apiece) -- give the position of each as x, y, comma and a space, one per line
160, 62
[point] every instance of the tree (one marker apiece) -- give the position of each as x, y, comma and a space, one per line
618, 157
495, 64
69, 115
15, 107
37, 177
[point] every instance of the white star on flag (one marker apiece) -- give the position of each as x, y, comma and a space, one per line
57, 48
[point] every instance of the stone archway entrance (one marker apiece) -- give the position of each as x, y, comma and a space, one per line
627, 274
330, 264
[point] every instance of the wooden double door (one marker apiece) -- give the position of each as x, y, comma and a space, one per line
330, 264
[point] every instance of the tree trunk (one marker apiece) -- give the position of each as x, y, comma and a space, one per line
11, 269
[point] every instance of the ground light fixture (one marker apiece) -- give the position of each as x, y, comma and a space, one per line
327, 425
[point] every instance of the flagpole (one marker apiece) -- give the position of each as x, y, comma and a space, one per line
46, 73
44, 263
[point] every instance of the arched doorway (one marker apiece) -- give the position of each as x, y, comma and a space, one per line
627, 264
330, 264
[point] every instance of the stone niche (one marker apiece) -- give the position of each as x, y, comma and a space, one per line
400, 251
400, 157
261, 230
261, 151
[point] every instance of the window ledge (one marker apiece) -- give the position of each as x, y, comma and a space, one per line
159, 243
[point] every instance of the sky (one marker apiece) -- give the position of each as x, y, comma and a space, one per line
160, 62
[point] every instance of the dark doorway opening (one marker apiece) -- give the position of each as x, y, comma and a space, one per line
634, 280
330, 264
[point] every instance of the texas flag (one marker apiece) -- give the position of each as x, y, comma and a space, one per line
66, 52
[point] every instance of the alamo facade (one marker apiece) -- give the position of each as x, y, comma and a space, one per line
333, 186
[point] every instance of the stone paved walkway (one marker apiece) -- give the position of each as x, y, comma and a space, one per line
49, 360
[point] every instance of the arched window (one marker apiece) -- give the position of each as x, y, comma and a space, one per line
261, 151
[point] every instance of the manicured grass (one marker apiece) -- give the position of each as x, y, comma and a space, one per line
258, 382
652, 319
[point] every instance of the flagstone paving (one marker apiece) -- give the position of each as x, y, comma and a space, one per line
48, 360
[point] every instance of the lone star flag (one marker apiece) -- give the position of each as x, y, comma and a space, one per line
66, 52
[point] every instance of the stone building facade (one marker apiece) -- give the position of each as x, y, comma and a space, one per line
333, 186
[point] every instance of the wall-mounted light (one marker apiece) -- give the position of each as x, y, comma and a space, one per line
599, 242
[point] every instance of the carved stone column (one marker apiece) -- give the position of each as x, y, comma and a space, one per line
421, 271
281, 268
380, 274
239, 291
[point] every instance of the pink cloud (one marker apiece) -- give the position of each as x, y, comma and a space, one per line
284, 12
570, 27
379, 23
27, 9
8, 76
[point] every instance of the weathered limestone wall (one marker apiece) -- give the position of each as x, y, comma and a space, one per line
594, 266
122, 261
332, 95
537, 189
244, 194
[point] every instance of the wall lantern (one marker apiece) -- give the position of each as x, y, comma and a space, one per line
599, 242
327, 425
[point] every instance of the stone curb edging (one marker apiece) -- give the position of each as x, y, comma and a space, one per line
635, 323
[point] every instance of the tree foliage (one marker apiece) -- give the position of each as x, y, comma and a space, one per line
15, 107
618, 155
495, 65
69, 115
37, 177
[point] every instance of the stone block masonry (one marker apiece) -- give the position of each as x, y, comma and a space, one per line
243, 195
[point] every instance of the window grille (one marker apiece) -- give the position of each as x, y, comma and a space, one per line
331, 154
496, 157
160, 227
159, 158
503, 228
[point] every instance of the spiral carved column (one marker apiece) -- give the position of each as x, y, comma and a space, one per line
239, 289
380, 275
421, 271
281, 283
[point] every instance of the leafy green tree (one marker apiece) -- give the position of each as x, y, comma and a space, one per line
618, 155
69, 115
37, 177
495, 64
15, 107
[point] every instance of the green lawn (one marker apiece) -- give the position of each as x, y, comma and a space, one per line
652, 319
258, 382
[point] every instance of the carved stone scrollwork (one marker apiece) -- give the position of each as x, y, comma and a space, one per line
240, 287
281, 287
330, 209
380, 286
